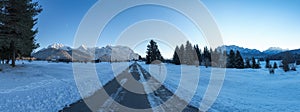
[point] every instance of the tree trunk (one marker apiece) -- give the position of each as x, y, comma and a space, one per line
13, 58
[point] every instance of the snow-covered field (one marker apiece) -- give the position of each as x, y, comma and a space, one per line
43, 86
243, 89
46, 87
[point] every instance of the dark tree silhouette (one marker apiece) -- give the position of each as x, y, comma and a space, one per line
239, 61
153, 53
176, 59
17, 27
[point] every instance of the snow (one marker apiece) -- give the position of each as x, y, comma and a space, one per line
242, 90
59, 46
43, 86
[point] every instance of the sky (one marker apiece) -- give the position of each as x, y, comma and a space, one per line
257, 24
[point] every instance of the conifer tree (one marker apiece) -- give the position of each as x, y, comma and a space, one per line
275, 65
206, 57
153, 53
198, 52
248, 63
231, 60
253, 63
190, 54
17, 23
239, 61
268, 65
176, 59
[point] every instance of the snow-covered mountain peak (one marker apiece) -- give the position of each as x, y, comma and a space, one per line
82, 48
59, 46
274, 50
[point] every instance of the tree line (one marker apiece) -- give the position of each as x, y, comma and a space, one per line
17, 32
193, 55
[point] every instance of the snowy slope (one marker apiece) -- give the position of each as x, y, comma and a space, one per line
46, 87
243, 89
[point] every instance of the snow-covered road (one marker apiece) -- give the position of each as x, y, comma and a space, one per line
133, 90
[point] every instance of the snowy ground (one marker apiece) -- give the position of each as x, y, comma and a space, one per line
243, 89
43, 86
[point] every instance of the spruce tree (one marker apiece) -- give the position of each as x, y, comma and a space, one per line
198, 52
153, 53
231, 60
268, 63
248, 63
181, 54
206, 57
190, 54
253, 63
176, 59
239, 60
275, 65
18, 20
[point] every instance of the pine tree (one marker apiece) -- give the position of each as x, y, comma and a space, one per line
206, 57
190, 54
176, 59
231, 60
268, 63
254, 65
18, 20
248, 63
239, 60
198, 52
215, 58
275, 65
153, 53
181, 54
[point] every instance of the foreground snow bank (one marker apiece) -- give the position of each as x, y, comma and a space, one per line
243, 89
43, 86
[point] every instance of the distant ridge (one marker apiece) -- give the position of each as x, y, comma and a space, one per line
83, 53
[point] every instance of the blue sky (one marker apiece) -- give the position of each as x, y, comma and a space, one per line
258, 24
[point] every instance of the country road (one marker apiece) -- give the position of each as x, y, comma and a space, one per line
134, 90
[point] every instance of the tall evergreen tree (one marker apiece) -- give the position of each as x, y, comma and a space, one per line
253, 63
239, 61
17, 23
190, 54
198, 52
206, 57
181, 54
248, 63
176, 59
268, 65
231, 60
153, 53
275, 65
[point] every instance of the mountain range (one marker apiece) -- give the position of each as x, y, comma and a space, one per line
83, 53
123, 53
249, 53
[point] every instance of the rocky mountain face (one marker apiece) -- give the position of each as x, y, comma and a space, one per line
83, 53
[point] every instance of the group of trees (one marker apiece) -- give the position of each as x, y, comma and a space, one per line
186, 54
268, 64
193, 55
17, 33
